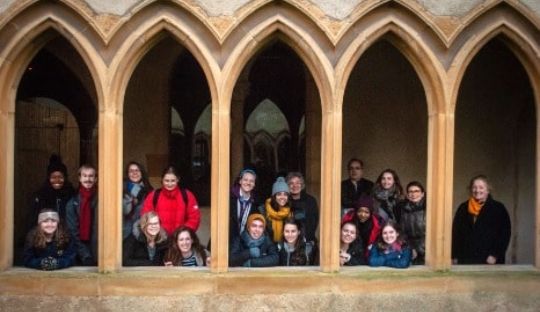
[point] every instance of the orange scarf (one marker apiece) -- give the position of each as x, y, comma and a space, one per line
475, 207
276, 219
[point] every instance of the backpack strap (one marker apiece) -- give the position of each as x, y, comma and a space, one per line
155, 198
184, 195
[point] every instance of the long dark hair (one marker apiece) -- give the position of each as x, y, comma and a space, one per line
298, 224
144, 177
397, 183
274, 204
174, 254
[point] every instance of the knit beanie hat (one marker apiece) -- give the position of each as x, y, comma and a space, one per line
364, 201
56, 164
48, 214
255, 216
280, 186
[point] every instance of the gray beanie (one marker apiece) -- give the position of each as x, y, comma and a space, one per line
280, 186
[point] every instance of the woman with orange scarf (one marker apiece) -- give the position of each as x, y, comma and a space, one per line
277, 209
481, 228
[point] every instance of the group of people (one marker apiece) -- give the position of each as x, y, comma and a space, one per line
381, 225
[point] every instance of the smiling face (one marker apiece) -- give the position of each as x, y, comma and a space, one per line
184, 242
282, 198
415, 194
153, 227
56, 179
480, 190
363, 214
389, 234
348, 233
291, 233
88, 177
169, 181
256, 229
134, 173
295, 185
387, 180
49, 227
247, 183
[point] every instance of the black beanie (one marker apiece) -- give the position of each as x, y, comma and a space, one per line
56, 164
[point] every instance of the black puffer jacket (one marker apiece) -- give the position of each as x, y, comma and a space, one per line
412, 219
135, 249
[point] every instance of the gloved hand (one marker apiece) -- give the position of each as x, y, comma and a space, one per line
49, 264
255, 252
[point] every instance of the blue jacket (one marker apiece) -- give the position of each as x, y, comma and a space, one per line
395, 259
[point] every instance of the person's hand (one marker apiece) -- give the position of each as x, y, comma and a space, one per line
168, 264
208, 261
491, 260
414, 254
49, 263
255, 252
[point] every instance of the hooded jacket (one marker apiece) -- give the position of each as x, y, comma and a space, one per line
135, 248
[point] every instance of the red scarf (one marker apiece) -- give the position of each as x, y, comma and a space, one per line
85, 215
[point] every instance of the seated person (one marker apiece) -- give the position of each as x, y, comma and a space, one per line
186, 250
48, 246
253, 248
391, 250
351, 250
147, 243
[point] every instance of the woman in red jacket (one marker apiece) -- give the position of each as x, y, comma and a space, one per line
175, 207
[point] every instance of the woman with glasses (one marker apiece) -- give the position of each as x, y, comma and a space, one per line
147, 243
411, 215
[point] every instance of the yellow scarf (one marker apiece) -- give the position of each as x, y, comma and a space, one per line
475, 207
276, 219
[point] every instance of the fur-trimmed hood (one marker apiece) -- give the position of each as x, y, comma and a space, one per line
139, 235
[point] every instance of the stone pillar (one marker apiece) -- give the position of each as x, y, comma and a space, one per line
7, 144
110, 190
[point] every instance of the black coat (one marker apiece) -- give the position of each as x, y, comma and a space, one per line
306, 211
349, 195
473, 242
135, 250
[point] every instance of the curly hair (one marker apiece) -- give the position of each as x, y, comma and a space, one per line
60, 237
174, 254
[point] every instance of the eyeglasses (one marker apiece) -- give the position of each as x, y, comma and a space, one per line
152, 223
355, 168
134, 170
414, 191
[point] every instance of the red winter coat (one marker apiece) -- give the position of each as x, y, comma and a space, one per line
172, 210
